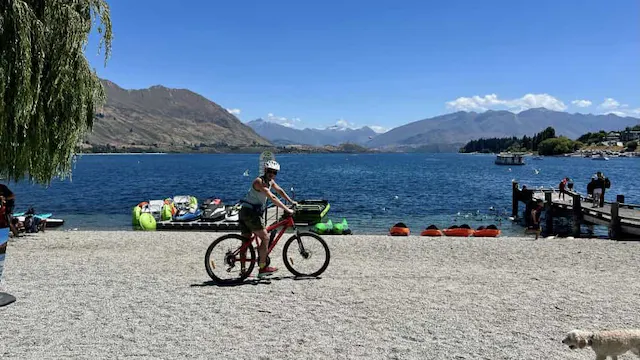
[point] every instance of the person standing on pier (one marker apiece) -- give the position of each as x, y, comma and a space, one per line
606, 183
598, 190
562, 185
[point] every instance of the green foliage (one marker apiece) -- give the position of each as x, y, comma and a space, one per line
631, 145
513, 144
352, 148
593, 138
48, 92
557, 146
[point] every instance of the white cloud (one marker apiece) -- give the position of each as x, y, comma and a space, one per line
609, 104
288, 122
378, 129
475, 103
344, 124
612, 106
235, 112
492, 101
582, 103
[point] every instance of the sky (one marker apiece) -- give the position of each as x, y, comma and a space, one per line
380, 63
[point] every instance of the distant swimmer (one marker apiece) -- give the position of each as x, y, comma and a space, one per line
537, 171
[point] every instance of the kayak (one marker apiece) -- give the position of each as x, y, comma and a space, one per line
489, 231
458, 231
486, 233
399, 229
431, 232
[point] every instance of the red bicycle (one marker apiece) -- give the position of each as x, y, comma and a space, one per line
231, 258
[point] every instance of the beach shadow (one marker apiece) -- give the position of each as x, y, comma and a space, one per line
254, 281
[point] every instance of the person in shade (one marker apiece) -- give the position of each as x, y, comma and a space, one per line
536, 213
8, 199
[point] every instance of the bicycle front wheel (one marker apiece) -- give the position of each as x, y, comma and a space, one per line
306, 254
224, 261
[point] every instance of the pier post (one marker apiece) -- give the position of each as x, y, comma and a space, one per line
614, 229
514, 199
548, 209
577, 213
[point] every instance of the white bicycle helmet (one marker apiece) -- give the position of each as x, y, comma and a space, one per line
272, 164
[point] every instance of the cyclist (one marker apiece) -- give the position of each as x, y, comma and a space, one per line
252, 208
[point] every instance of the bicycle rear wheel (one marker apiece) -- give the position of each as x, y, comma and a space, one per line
224, 262
306, 254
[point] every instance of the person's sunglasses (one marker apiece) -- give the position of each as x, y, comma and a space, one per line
274, 172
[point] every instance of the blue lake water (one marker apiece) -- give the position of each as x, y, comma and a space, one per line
372, 191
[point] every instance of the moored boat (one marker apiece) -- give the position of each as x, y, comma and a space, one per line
509, 159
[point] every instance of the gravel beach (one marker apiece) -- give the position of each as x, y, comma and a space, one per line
84, 294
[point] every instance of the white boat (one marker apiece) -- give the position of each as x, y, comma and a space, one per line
509, 159
600, 157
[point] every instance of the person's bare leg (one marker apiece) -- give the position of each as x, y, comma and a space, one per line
262, 249
12, 226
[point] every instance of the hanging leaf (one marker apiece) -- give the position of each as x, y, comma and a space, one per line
48, 91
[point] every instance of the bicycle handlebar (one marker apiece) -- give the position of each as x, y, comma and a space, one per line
292, 207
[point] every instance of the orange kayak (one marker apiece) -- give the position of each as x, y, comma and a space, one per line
399, 229
458, 232
431, 232
486, 233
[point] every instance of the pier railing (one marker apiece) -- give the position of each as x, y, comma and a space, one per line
623, 219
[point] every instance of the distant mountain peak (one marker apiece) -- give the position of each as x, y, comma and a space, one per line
331, 135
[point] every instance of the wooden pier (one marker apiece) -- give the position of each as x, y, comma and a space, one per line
623, 220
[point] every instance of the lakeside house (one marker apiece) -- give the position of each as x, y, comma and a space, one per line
630, 135
614, 138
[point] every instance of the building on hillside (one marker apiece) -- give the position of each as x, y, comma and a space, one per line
612, 136
630, 135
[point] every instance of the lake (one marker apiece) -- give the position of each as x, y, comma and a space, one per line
372, 191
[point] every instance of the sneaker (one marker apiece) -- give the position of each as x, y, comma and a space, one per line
266, 271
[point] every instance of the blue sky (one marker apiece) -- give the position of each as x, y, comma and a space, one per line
381, 63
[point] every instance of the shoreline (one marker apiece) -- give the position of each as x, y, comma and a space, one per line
124, 153
87, 294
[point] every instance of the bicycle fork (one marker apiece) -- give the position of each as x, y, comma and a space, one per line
305, 254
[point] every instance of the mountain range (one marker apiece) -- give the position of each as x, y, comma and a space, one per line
181, 120
460, 127
449, 132
283, 135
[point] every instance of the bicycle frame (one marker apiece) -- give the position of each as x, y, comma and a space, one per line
285, 224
